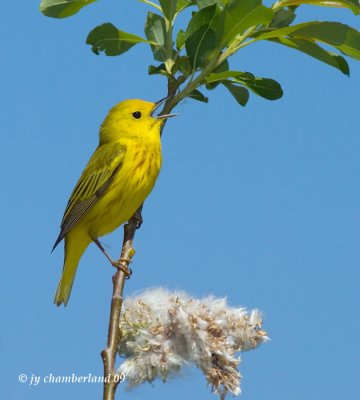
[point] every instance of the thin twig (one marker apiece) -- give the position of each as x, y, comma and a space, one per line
114, 334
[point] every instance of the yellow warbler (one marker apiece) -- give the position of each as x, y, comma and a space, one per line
117, 179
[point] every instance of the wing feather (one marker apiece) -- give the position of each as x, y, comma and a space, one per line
100, 171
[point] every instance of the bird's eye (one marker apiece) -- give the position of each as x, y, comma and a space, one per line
136, 114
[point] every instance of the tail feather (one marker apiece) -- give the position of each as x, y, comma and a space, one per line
75, 245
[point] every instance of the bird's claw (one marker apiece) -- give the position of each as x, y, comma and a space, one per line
130, 273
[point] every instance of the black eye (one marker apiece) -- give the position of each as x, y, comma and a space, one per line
136, 114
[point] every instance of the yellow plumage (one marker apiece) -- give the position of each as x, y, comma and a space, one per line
117, 179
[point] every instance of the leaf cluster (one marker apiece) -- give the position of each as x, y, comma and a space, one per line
197, 55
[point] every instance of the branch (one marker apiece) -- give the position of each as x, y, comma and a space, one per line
114, 334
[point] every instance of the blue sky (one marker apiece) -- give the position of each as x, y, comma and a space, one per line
259, 204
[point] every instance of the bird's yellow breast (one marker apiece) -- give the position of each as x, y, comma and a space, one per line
131, 185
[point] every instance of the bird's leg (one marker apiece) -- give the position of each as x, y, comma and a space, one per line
117, 264
100, 246
138, 217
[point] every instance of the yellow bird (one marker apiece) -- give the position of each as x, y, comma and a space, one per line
116, 181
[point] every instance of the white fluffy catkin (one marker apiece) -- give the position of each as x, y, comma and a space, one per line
162, 331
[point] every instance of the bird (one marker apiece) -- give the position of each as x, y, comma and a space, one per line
115, 182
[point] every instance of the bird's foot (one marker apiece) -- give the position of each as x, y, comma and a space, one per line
122, 265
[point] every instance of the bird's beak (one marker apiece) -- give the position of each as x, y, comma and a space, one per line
159, 104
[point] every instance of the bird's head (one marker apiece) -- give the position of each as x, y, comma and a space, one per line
132, 118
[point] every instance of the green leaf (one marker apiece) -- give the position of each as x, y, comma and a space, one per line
206, 3
180, 39
200, 19
236, 17
200, 37
282, 18
314, 50
169, 8
110, 40
182, 4
197, 95
240, 94
224, 66
183, 65
160, 69
155, 32
264, 87
353, 5
224, 75
338, 35
212, 85
62, 8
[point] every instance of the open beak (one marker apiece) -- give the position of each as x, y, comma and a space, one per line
158, 104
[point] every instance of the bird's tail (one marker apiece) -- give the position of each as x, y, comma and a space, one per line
75, 245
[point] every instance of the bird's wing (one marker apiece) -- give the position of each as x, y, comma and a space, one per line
100, 171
